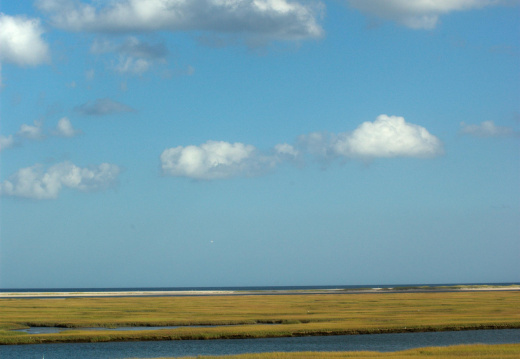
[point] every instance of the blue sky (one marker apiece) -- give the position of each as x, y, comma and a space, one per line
268, 142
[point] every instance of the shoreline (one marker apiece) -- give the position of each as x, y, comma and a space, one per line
181, 293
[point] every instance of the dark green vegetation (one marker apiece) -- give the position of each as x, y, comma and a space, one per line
251, 316
503, 351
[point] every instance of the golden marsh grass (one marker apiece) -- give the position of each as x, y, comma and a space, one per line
252, 316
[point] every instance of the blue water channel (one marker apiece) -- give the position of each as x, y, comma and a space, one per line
372, 342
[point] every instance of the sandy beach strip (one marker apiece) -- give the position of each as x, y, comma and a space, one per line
174, 293
113, 294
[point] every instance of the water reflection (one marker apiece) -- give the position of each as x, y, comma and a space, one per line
373, 342
51, 330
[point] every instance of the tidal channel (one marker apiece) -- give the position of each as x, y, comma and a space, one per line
372, 342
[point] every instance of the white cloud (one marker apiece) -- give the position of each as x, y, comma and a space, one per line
420, 14
387, 136
102, 106
64, 128
486, 129
213, 160
35, 132
31, 132
36, 183
274, 19
21, 42
6, 142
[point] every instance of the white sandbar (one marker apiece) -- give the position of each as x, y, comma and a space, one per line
113, 294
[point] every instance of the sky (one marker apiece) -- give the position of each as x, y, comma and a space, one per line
210, 143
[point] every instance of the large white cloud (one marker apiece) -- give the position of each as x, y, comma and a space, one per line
21, 42
486, 129
213, 160
387, 136
36, 183
278, 19
420, 14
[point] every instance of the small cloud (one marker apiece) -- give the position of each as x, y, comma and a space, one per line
37, 183
6, 142
35, 132
21, 42
71, 84
31, 132
214, 160
102, 106
386, 137
486, 129
64, 128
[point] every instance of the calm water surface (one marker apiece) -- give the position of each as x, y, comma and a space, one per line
374, 342
52, 330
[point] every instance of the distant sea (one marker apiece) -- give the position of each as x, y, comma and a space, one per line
244, 288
